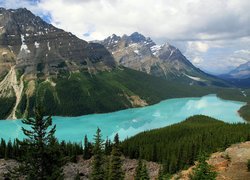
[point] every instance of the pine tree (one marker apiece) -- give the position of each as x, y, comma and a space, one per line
141, 171
203, 170
98, 172
41, 158
87, 148
144, 173
138, 170
116, 172
108, 147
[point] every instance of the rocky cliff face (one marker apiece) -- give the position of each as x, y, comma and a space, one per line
39, 49
141, 53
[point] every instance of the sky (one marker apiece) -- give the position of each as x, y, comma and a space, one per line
213, 34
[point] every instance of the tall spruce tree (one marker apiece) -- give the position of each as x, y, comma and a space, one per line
116, 172
98, 170
87, 148
42, 156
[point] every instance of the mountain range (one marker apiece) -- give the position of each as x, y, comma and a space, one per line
43, 65
239, 76
166, 61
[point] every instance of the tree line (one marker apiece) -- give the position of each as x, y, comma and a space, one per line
178, 146
42, 156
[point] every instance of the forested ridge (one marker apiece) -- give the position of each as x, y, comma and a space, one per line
178, 146
80, 93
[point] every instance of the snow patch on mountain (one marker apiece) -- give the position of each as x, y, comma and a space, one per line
195, 78
24, 47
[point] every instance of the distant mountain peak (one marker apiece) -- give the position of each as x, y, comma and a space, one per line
141, 53
241, 72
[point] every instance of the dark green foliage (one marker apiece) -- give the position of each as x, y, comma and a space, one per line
141, 172
116, 172
83, 93
87, 151
98, 170
245, 112
6, 105
178, 146
248, 165
108, 147
203, 170
40, 67
23, 103
42, 156
138, 170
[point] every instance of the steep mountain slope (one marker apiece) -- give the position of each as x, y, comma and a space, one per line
141, 53
43, 65
32, 50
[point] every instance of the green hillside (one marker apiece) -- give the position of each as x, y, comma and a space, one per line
79, 93
177, 146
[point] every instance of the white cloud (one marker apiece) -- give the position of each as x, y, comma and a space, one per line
197, 60
208, 32
172, 19
198, 46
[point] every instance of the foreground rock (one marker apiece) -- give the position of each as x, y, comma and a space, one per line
83, 168
230, 164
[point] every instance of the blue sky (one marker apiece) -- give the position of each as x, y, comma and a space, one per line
214, 34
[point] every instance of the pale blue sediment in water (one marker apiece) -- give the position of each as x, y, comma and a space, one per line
132, 121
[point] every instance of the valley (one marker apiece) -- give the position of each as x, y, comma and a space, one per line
159, 111
132, 121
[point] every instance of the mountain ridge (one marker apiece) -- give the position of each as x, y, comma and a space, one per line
142, 54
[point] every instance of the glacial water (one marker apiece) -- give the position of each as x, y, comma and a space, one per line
132, 121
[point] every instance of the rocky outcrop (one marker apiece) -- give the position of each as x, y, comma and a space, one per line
230, 164
83, 167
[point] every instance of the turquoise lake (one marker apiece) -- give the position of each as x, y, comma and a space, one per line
132, 121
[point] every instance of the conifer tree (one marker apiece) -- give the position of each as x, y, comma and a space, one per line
141, 171
87, 151
116, 172
138, 170
144, 173
98, 172
41, 151
108, 147
203, 170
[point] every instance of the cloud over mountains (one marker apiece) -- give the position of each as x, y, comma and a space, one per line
206, 31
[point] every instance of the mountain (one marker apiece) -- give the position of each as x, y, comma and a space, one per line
41, 65
240, 76
142, 54
241, 72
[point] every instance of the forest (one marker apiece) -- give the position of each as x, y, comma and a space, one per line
176, 147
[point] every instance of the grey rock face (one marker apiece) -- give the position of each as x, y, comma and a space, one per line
36, 47
141, 53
